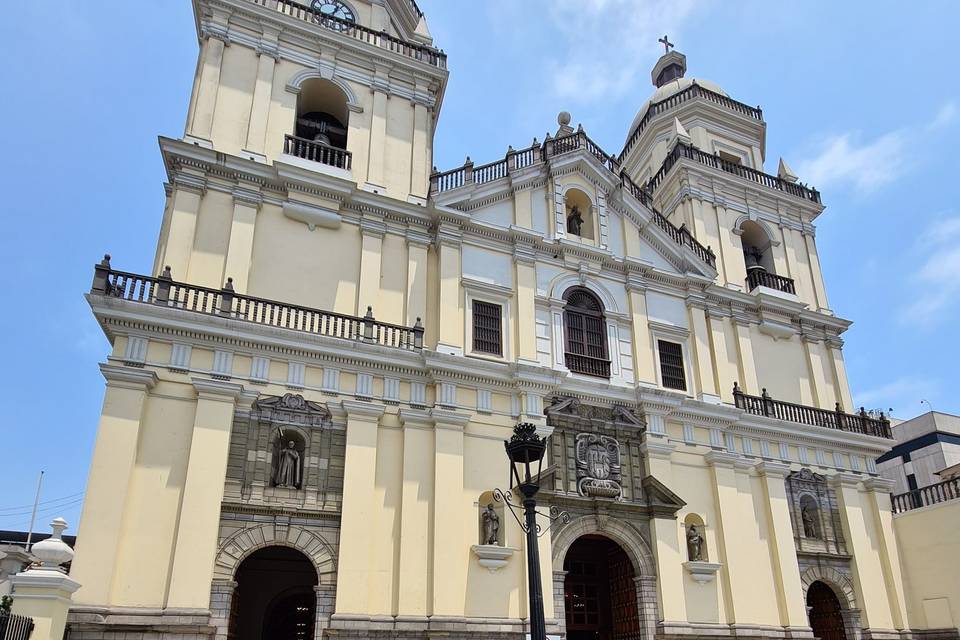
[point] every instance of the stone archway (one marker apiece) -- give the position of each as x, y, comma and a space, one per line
842, 587
242, 544
637, 552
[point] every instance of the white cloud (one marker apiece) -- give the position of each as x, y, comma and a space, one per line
607, 46
937, 279
903, 395
945, 116
867, 165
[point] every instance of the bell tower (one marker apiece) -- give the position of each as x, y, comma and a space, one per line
337, 97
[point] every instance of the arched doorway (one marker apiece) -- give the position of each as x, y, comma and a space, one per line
275, 597
825, 617
600, 593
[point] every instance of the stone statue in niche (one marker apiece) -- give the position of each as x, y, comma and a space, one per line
574, 221
598, 466
491, 526
808, 514
288, 467
694, 544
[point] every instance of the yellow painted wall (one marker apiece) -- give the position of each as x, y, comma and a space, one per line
929, 545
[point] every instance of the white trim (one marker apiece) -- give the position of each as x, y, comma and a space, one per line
491, 294
295, 84
659, 333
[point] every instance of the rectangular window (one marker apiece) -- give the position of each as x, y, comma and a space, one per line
487, 328
671, 365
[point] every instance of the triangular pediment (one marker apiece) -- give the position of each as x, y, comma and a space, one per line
661, 501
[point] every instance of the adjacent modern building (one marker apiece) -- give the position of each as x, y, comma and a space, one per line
307, 398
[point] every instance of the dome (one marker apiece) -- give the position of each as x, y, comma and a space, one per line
668, 89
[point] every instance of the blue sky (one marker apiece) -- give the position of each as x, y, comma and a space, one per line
860, 98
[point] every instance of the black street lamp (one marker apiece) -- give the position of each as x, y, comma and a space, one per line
525, 449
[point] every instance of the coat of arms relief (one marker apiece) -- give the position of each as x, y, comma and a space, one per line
598, 466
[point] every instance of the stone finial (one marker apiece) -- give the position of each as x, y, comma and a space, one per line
563, 119
784, 172
678, 132
53, 552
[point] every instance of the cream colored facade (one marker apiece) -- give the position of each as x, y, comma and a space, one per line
401, 446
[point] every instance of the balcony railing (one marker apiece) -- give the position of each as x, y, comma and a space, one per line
692, 92
926, 496
317, 152
587, 365
15, 627
163, 291
381, 39
763, 278
681, 150
552, 147
764, 405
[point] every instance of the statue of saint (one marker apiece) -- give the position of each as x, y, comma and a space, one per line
694, 544
574, 221
491, 525
288, 467
808, 515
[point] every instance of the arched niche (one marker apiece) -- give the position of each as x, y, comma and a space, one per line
580, 214
485, 504
695, 538
810, 517
289, 447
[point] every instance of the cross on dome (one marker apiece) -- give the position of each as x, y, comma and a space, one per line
667, 45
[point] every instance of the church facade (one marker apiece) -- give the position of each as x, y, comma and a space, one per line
306, 400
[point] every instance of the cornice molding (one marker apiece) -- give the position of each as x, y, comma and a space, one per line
128, 378
217, 390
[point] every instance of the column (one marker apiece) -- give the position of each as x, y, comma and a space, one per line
834, 346
177, 245
267, 57
667, 547
727, 253
737, 269
878, 497
420, 161
376, 180
818, 383
418, 486
371, 248
526, 318
114, 455
198, 526
359, 507
702, 358
246, 204
868, 578
643, 358
452, 521
417, 245
748, 369
816, 275
205, 99
450, 337
783, 553
723, 376
737, 561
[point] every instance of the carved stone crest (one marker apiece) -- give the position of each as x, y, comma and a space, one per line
293, 409
598, 466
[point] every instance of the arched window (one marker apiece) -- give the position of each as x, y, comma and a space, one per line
586, 334
320, 129
579, 214
756, 247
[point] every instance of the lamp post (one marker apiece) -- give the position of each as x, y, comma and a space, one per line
525, 449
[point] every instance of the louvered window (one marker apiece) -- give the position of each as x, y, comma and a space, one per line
487, 328
671, 365
586, 334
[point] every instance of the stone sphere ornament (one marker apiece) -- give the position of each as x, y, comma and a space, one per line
563, 118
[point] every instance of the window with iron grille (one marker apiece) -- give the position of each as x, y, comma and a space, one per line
487, 328
671, 365
586, 334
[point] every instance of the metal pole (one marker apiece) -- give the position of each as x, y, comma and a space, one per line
538, 628
33, 516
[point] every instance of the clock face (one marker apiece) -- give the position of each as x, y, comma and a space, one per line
334, 8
